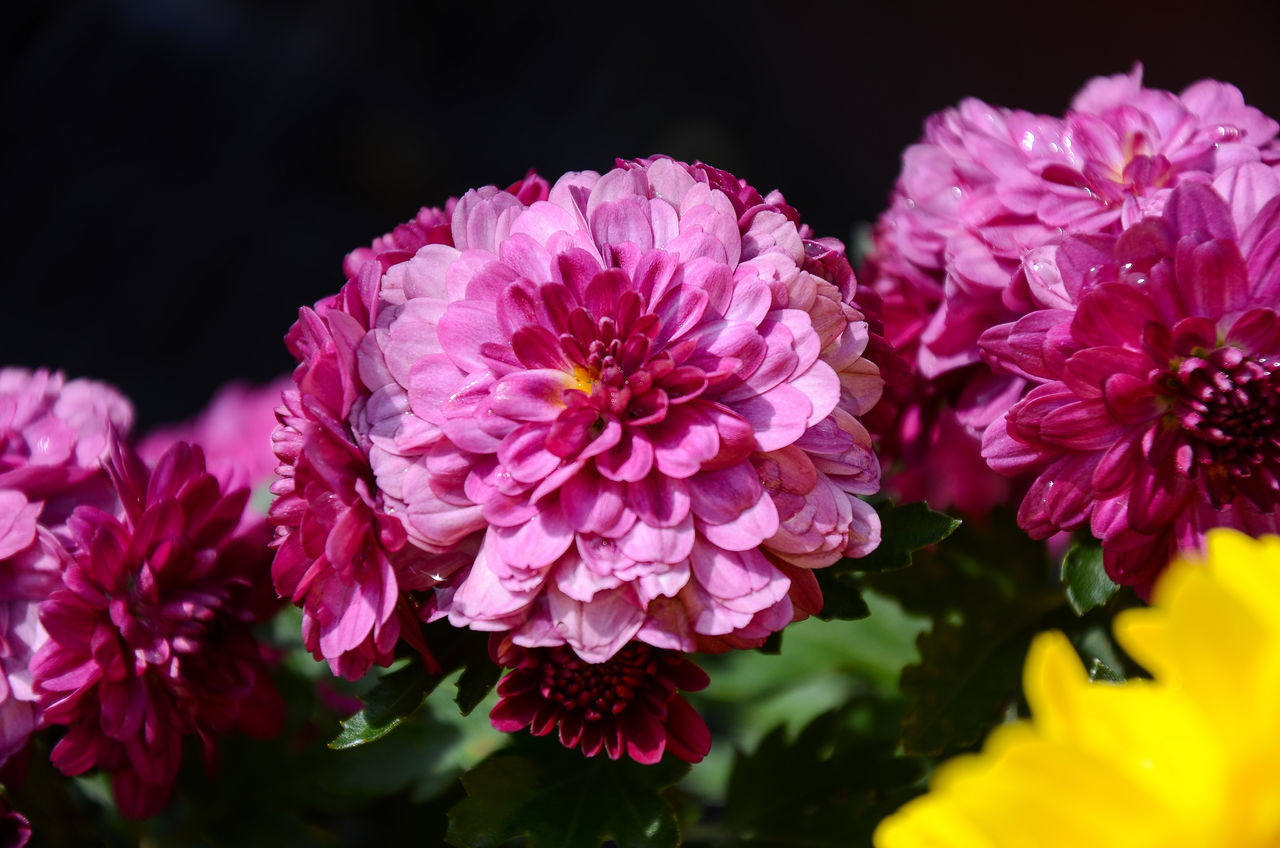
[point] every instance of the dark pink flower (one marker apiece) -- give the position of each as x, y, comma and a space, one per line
342, 554
632, 404
1157, 414
148, 640
627, 704
52, 434
986, 187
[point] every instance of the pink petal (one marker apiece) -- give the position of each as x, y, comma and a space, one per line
596, 630
748, 530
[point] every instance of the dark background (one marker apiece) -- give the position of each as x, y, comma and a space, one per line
177, 177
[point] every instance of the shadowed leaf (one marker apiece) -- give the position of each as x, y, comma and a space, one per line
557, 798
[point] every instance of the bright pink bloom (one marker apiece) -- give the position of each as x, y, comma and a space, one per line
52, 434
149, 641
342, 555
635, 403
627, 704
234, 432
1157, 416
985, 187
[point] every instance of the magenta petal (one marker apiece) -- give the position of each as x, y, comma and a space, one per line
1194, 206
719, 496
621, 221
524, 453
536, 544
1212, 278
355, 605
1113, 313
1257, 329
629, 460
534, 395
1129, 399
727, 575
687, 735
482, 602
1080, 426
645, 543
17, 522
1005, 453
465, 328
659, 501
576, 580
1156, 498
684, 441
514, 713
591, 503
779, 416
748, 530
596, 630
1117, 465
645, 738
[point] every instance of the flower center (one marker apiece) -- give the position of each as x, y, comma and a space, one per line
611, 354
1227, 405
597, 689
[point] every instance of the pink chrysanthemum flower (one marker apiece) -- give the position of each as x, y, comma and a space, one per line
636, 402
627, 704
985, 187
148, 640
342, 556
234, 432
1157, 416
52, 433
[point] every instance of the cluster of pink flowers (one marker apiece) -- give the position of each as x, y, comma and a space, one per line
126, 592
1156, 409
1069, 289
52, 433
149, 636
614, 416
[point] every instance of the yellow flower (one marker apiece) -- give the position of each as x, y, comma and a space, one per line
1191, 758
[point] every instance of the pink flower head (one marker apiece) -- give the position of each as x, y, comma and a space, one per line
1157, 414
634, 403
148, 640
627, 704
52, 433
342, 554
986, 187
234, 432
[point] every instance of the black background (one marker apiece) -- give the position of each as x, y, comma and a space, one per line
178, 176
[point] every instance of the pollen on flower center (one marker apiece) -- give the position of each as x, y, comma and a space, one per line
584, 380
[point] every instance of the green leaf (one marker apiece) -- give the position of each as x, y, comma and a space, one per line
1085, 578
395, 697
831, 786
556, 798
967, 677
398, 694
772, 644
988, 591
840, 598
478, 676
904, 529
1100, 671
